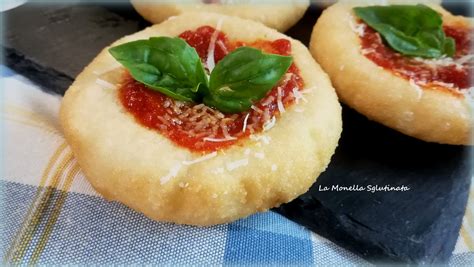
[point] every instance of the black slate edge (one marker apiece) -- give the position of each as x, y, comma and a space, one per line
49, 79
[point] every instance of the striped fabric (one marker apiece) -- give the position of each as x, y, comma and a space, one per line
51, 215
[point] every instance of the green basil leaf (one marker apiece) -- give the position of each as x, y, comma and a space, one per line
243, 77
168, 65
409, 29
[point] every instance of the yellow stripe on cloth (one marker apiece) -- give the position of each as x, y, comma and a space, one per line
55, 214
21, 247
467, 238
45, 121
35, 124
40, 189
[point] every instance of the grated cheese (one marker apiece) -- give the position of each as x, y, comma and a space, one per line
269, 100
299, 110
183, 185
298, 95
245, 122
247, 151
237, 164
112, 67
274, 167
104, 83
446, 61
210, 139
256, 109
203, 158
259, 155
212, 47
464, 59
269, 124
264, 138
307, 90
357, 28
171, 174
222, 46
443, 84
418, 89
366, 51
280, 106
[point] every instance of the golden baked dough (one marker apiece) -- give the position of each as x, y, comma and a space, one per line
139, 167
280, 15
430, 115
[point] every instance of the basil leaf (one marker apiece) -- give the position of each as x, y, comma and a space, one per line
168, 65
243, 77
409, 29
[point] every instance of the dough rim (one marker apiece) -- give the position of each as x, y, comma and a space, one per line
280, 16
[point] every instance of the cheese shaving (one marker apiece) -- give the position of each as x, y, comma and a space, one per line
446, 61
210, 139
280, 106
203, 158
104, 84
112, 67
274, 167
171, 174
418, 89
245, 122
357, 28
269, 124
212, 47
298, 96
464, 59
256, 109
259, 155
183, 185
222, 46
264, 138
237, 164
443, 84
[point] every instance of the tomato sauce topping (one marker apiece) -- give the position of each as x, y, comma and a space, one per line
449, 74
201, 128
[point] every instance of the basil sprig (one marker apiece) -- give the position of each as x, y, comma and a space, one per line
412, 30
168, 65
172, 67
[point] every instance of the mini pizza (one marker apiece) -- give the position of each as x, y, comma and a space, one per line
405, 66
280, 15
202, 119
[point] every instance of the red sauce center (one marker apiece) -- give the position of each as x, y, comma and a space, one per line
201, 128
441, 74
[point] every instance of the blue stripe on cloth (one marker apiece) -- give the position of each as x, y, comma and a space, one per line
15, 199
253, 241
463, 259
6, 71
91, 230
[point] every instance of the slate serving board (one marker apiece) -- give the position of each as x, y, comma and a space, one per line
50, 44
